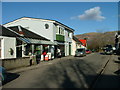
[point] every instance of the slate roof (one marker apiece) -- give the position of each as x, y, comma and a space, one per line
27, 33
7, 32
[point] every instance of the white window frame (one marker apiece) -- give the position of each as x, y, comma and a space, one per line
57, 32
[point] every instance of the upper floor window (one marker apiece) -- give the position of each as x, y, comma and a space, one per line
60, 30
46, 26
70, 34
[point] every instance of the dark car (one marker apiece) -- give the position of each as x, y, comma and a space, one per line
80, 52
108, 49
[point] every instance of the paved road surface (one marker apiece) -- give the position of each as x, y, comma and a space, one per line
68, 72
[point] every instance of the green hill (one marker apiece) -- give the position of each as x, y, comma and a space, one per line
97, 40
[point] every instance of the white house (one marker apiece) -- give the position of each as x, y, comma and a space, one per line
7, 43
75, 45
7, 47
18, 42
55, 31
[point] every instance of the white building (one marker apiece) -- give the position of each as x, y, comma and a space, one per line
7, 51
75, 45
7, 43
16, 45
53, 30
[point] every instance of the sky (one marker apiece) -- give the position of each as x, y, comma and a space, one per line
83, 17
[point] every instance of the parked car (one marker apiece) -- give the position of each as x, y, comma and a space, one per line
108, 49
88, 51
3, 74
80, 52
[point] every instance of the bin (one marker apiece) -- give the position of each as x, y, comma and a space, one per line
46, 58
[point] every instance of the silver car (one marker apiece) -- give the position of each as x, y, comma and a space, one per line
80, 52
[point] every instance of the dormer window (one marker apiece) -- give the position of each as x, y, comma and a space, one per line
46, 26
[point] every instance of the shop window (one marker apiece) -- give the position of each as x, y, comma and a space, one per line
37, 49
28, 49
19, 48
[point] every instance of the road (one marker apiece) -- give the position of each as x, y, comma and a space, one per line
69, 72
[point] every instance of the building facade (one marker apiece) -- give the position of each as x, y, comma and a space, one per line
55, 31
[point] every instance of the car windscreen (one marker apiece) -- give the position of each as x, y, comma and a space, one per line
80, 50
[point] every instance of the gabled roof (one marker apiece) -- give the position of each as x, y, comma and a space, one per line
54, 21
83, 41
27, 33
7, 32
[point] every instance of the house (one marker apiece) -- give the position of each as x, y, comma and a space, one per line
84, 43
17, 42
7, 43
31, 42
52, 30
75, 44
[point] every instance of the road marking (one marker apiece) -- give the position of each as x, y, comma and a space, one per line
99, 74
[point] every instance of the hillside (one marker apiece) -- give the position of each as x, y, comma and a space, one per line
97, 40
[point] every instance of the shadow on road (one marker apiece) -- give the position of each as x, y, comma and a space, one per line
10, 77
118, 58
117, 61
117, 72
76, 76
70, 73
102, 53
105, 81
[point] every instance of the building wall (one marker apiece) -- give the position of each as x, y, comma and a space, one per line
36, 26
55, 28
6, 44
73, 47
68, 41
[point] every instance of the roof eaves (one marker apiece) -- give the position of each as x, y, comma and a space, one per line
38, 19
12, 31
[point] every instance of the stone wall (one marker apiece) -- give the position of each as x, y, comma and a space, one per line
17, 63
